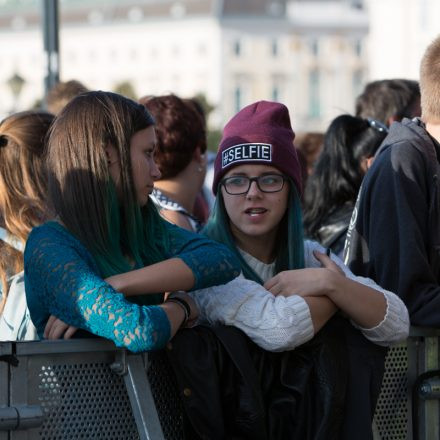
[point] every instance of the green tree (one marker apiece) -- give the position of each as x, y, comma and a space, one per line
213, 139
206, 105
213, 135
126, 89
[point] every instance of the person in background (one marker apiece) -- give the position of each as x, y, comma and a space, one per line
205, 199
180, 155
385, 101
310, 146
389, 100
61, 93
350, 144
23, 194
101, 173
394, 237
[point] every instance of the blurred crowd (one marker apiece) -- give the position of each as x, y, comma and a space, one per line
286, 261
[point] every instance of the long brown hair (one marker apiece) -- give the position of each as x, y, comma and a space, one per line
22, 183
80, 187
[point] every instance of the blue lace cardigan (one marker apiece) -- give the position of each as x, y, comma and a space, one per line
62, 279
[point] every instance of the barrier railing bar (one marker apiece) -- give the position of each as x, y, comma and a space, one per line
64, 346
141, 399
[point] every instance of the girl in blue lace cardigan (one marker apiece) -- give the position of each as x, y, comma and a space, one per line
101, 171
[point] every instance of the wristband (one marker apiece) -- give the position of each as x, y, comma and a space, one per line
185, 307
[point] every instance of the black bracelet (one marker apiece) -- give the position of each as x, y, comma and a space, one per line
185, 306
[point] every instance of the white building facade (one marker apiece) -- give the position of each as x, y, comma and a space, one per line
310, 55
400, 31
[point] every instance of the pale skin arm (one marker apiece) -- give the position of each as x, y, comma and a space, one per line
154, 278
364, 305
321, 310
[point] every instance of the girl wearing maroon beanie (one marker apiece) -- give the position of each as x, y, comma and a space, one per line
298, 287
257, 181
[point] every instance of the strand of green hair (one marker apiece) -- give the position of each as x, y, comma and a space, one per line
289, 252
134, 231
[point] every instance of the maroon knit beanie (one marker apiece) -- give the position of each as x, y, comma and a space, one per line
259, 133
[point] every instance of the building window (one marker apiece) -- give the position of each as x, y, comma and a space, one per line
274, 47
314, 101
275, 93
357, 4
357, 45
357, 81
237, 98
237, 48
314, 46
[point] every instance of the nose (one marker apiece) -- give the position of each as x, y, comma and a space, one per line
254, 191
155, 171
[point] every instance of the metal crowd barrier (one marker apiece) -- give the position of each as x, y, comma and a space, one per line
408, 406
86, 389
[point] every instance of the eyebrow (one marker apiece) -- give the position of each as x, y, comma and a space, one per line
266, 173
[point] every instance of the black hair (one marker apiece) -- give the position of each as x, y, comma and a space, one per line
338, 174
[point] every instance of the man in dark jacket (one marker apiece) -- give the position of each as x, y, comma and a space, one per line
394, 230
394, 233
395, 236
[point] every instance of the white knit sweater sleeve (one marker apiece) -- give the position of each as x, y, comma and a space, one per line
395, 325
275, 323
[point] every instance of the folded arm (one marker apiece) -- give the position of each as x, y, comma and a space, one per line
378, 313
275, 323
194, 262
61, 279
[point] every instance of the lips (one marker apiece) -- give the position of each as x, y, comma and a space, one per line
255, 211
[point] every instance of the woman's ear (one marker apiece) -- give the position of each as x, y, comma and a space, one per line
199, 156
111, 154
200, 160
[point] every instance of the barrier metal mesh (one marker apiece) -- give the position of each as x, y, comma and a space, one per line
166, 395
392, 409
84, 401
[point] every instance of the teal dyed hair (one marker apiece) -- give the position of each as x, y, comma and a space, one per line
289, 252
82, 191
136, 231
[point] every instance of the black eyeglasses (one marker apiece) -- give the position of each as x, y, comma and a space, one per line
267, 183
377, 125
